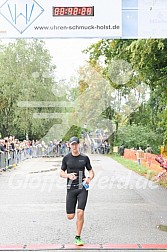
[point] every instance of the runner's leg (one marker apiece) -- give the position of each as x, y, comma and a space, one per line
71, 201
82, 199
79, 222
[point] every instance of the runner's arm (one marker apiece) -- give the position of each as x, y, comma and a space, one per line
71, 176
90, 177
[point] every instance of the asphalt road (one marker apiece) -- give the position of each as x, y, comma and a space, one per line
123, 207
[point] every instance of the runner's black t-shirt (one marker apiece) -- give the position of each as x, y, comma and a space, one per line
76, 164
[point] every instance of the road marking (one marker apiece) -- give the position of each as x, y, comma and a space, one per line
40, 247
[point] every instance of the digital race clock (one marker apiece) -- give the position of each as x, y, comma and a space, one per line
85, 11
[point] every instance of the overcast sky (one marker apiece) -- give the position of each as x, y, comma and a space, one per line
67, 54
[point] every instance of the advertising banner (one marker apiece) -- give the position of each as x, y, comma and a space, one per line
60, 18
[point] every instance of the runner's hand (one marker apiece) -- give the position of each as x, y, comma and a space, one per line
87, 180
72, 176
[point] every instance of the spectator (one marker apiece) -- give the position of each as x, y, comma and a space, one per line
139, 155
121, 150
148, 150
2, 147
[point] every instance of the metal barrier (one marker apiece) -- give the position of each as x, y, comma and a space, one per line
12, 158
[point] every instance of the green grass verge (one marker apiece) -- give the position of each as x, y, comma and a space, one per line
140, 169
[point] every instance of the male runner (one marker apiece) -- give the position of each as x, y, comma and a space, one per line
73, 168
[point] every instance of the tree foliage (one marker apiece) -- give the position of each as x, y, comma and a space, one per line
148, 60
133, 136
124, 84
26, 72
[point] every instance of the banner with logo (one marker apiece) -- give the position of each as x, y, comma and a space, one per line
60, 18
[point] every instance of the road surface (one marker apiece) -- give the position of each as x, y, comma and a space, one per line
123, 207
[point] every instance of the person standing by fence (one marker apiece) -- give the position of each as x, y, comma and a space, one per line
121, 150
139, 155
148, 151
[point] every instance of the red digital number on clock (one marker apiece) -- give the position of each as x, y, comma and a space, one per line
73, 11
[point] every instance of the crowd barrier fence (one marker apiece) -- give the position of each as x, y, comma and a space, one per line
12, 158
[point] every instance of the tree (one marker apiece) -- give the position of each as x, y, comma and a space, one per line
26, 74
148, 60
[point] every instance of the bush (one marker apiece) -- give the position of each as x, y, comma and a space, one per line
134, 136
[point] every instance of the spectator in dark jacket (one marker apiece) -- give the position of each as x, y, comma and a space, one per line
2, 147
121, 150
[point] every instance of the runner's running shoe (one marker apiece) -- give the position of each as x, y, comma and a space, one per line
78, 241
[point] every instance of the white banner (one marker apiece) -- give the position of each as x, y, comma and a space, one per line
152, 19
60, 18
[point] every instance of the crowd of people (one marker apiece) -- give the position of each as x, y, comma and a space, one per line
37, 148
34, 148
12, 150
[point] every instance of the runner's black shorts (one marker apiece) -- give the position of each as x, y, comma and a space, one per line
76, 197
